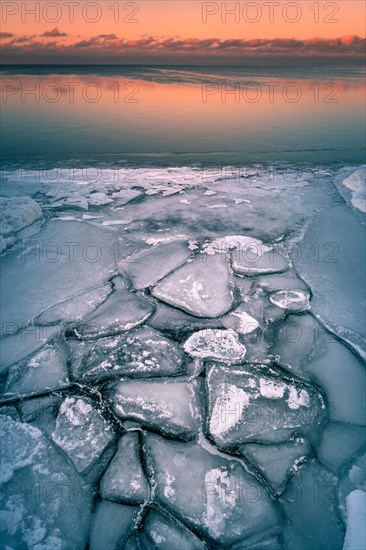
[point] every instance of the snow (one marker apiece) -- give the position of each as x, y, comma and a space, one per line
223, 345
291, 300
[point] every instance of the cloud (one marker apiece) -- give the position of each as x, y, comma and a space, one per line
55, 33
113, 49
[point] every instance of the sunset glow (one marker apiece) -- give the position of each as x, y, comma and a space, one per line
181, 32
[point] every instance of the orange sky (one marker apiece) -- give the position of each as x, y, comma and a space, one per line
178, 20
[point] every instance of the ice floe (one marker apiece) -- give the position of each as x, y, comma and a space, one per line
45, 503
149, 266
171, 407
142, 353
223, 345
211, 493
81, 431
256, 404
124, 479
16, 213
194, 289
75, 308
112, 524
291, 300
356, 183
44, 371
121, 312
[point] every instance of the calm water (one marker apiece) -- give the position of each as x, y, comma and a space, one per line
182, 115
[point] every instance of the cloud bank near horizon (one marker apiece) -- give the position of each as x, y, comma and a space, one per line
55, 46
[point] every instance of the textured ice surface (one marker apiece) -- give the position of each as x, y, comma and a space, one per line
291, 300
161, 531
240, 321
124, 480
170, 407
356, 521
277, 462
76, 308
41, 412
338, 255
343, 377
142, 353
16, 213
174, 320
282, 281
256, 403
210, 493
45, 370
149, 266
356, 183
310, 502
223, 345
23, 343
63, 260
121, 312
194, 289
111, 525
222, 491
81, 431
44, 502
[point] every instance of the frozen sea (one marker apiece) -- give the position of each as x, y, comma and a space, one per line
183, 315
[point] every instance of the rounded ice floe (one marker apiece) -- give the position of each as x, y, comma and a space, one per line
292, 300
223, 345
202, 287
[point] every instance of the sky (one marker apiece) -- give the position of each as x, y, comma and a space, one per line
183, 32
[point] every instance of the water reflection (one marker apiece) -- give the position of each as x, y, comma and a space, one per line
165, 112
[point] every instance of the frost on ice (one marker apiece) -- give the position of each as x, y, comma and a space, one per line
211, 493
81, 432
254, 403
142, 353
194, 289
291, 300
223, 345
171, 407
